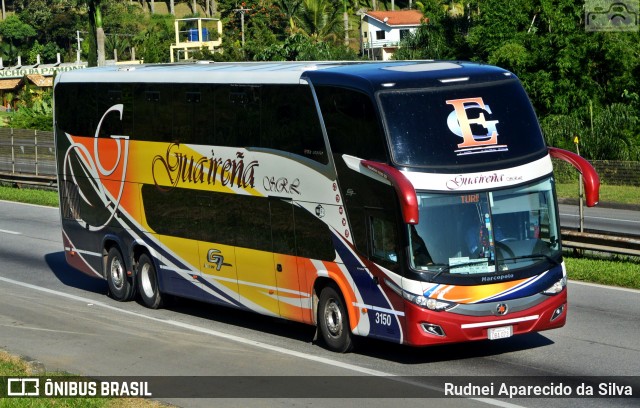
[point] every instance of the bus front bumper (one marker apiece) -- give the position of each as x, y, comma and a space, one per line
427, 327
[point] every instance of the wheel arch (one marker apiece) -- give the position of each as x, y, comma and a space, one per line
110, 241
342, 287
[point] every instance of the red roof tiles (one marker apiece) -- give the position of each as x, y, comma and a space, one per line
401, 17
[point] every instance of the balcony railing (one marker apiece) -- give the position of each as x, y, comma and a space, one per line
381, 44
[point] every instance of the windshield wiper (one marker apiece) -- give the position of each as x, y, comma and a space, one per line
447, 268
531, 256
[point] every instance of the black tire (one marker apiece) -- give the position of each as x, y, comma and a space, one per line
148, 283
333, 321
120, 285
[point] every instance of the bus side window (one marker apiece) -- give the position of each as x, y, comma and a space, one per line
237, 122
313, 237
153, 101
384, 241
291, 123
193, 114
352, 123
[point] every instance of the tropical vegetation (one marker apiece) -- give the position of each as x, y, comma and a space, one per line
584, 84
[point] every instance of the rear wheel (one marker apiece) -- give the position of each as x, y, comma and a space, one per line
333, 321
120, 285
148, 283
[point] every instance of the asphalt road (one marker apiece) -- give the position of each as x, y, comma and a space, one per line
61, 318
610, 220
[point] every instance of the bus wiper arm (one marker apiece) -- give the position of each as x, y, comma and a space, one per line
531, 256
447, 268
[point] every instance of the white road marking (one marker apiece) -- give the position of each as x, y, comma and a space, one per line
41, 329
597, 285
10, 232
242, 340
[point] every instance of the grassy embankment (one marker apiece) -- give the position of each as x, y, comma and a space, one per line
628, 195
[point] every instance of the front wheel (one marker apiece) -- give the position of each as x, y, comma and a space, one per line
333, 321
148, 283
120, 285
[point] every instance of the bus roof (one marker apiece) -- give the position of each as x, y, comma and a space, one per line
374, 74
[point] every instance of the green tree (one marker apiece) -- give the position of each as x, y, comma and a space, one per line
16, 32
35, 109
290, 9
55, 22
48, 52
153, 43
440, 36
319, 20
299, 47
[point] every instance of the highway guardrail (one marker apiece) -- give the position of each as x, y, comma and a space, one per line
624, 245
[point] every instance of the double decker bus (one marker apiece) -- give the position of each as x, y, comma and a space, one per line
408, 201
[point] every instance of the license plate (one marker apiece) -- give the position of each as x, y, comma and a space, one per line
496, 333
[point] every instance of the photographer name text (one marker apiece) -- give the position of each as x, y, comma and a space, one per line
605, 389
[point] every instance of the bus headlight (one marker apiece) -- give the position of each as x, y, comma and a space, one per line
428, 303
556, 287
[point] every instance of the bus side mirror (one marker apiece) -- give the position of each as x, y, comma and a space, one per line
404, 189
590, 177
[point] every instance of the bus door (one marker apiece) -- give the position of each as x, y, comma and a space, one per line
216, 247
284, 258
385, 251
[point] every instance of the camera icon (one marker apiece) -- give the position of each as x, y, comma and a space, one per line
611, 15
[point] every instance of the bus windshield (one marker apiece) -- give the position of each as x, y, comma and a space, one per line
470, 125
485, 232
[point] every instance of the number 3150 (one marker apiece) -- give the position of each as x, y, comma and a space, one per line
383, 319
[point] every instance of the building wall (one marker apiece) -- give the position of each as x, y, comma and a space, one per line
382, 49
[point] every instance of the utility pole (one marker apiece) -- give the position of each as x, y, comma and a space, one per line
576, 140
242, 11
78, 51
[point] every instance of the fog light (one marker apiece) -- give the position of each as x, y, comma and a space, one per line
557, 313
433, 329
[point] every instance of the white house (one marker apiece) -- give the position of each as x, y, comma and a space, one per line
383, 30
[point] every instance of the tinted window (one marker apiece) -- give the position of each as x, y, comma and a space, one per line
352, 123
193, 114
75, 106
461, 125
384, 241
153, 112
313, 237
216, 215
194, 214
282, 228
290, 122
253, 223
172, 212
232, 219
237, 121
